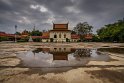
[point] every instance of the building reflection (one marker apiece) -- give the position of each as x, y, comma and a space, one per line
62, 53
62, 57
44, 50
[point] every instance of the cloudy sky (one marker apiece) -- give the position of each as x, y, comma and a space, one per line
41, 13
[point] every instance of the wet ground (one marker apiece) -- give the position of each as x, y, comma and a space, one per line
61, 57
61, 63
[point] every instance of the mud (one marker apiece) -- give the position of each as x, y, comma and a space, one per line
93, 72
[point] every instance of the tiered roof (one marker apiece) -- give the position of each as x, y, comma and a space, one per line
60, 27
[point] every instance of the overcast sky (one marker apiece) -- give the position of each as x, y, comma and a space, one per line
27, 13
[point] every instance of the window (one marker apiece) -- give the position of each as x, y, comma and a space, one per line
55, 49
64, 49
55, 36
59, 35
64, 35
59, 49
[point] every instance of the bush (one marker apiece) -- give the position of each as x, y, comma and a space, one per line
3, 38
37, 40
79, 41
26, 39
96, 39
21, 40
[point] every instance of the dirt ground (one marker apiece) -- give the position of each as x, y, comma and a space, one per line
93, 72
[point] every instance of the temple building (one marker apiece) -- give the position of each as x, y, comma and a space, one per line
59, 33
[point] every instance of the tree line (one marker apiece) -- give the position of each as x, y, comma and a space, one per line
109, 33
112, 32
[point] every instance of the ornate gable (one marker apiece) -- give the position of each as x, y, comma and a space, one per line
60, 26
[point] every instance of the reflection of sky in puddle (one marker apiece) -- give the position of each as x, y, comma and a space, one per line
61, 57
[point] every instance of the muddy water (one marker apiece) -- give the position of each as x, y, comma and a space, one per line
61, 57
112, 50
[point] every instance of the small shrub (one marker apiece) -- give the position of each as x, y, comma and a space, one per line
3, 38
21, 40
37, 40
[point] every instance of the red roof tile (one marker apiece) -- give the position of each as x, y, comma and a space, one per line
88, 36
36, 37
60, 26
3, 34
9, 35
45, 35
75, 36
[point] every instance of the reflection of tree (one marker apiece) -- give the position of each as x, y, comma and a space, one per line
44, 50
82, 53
37, 50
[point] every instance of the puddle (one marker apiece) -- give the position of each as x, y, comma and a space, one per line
105, 46
61, 57
121, 46
112, 50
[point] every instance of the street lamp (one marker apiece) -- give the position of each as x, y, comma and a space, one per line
15, 32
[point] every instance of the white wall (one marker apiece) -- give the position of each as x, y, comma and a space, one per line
74, 40
45, 40
62, 39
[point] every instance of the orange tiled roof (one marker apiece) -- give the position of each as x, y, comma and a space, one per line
45, 35
75, 36
36, 37
2, 34
9, 35
60, 26
60, 30
88, 36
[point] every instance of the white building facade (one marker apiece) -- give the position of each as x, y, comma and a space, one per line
60, 33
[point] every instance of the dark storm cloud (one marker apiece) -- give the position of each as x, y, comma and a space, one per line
27, 13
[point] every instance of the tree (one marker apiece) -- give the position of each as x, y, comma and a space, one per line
112, 32
73, 32
96, 38
35, 33
18, 33
83, 28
